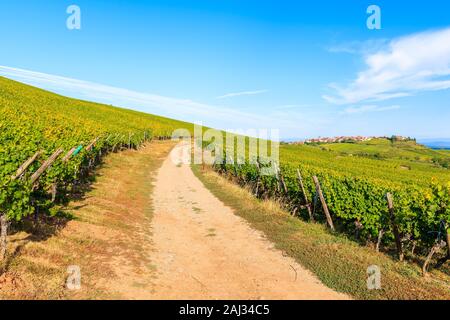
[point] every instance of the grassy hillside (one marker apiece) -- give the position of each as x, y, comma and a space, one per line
355, 177
36, 120
394, 150
398, 162
355, 184
339, 262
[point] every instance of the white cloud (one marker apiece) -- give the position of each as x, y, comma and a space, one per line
358, 47
243, 93
167, 106
296, 106
406, 66
219, 117
369, 108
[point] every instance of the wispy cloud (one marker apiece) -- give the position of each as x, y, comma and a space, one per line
404, 67
243, 93
369, 108
290, 106
183, 109
358, 47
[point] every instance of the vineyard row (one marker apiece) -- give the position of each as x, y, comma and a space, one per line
413, 220
29, 193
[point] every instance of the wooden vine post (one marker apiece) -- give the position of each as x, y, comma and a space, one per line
398, 240
69, 154
305, 196
380, 238
92, 144
436, 248
440, 244
447, 237
45, 165
324, 204
54, 190
130, 135
258, 179
89, 149
278, 174
25, 166
283, 183
446, 241
116, 139
4, 224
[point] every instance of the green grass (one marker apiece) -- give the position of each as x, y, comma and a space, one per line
385, 149
337, 261
400, 162
34, 120
108, 226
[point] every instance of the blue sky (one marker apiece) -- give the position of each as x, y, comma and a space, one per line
308, 69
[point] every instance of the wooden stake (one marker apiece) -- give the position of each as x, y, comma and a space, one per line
54, 190
257, 187
91, 145
46, 165
283, 183
4, 224
324, 204
69, 154
398, 241
305, 196
25, 166
358, 228
380, 237
277, 170
434, 249
108, 137
413, 247
447, 240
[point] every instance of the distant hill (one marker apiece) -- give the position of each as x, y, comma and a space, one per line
386, 149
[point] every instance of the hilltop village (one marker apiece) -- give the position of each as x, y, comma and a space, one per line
349, 139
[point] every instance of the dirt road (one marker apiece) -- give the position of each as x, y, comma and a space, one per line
137, 237
204, 251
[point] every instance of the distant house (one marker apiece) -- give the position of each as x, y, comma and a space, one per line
401, 138
339, 139
342, 139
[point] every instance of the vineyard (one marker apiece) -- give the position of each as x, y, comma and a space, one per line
49, 143
374, 201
